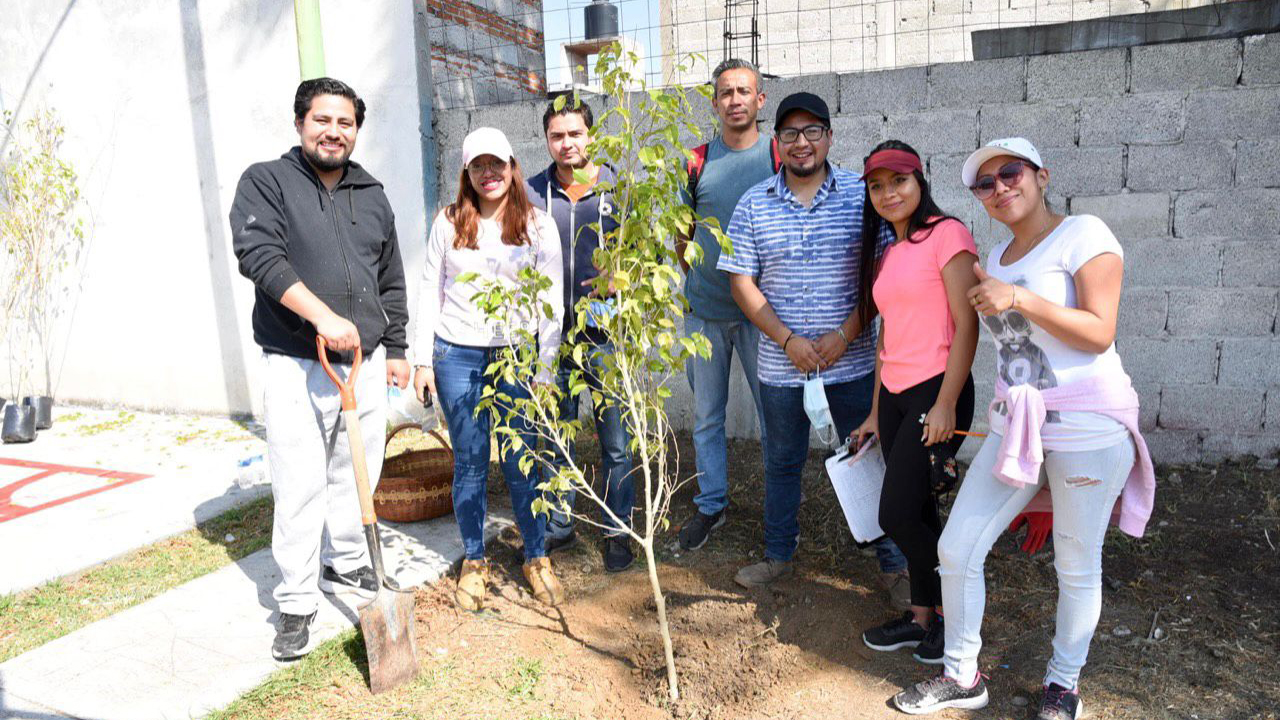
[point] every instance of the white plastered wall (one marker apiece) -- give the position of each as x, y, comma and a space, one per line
166, 102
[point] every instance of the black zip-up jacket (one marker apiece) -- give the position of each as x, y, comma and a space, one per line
286, 226
578, 240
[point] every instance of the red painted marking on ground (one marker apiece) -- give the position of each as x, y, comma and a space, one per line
9, 511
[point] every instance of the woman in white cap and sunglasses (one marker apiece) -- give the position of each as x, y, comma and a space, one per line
1065, 415
492, 231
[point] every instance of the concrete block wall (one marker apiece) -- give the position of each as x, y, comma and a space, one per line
1174, 146
803, 37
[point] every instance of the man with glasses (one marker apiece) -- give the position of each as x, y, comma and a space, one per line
719, 173
794, 270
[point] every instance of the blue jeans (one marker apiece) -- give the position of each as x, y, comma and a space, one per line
709, 381
619, 490
788, 432
460, 379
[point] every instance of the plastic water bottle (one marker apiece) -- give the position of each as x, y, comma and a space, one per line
403, 407
251, 471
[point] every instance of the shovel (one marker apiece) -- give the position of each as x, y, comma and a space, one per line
386, 621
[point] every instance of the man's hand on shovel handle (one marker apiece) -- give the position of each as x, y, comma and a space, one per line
339, 333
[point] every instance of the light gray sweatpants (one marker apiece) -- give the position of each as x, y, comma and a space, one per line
317, 514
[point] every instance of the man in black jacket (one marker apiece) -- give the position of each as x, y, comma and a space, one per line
316, 235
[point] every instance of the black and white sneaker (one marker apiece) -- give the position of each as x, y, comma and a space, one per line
940, 693
695, 532
361, 581
293, 636
896, 634
1059, 703
929, 651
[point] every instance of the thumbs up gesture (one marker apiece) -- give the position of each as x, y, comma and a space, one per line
991, 296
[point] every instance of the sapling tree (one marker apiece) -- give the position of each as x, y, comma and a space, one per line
638, 308
41, 234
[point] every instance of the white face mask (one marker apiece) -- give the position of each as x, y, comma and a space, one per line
818, 410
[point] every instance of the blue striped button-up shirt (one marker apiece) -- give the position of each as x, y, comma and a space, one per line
805, 261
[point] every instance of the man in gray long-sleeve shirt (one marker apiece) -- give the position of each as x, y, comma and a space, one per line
316, 235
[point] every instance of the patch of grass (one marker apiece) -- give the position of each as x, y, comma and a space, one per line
331, 683
300, 689
123, 418
524, 678
34, 617
70, 417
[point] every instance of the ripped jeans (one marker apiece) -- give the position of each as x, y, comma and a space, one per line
1084, 486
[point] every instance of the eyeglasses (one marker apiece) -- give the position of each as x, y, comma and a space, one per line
812, 133
480, 167
1010, 174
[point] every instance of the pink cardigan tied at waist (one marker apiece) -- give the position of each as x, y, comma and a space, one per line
1021, 452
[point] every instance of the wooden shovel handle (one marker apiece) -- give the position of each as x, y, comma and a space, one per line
351, 419
347, 390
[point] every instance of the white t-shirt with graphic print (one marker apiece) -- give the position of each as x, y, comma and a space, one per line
1027, 354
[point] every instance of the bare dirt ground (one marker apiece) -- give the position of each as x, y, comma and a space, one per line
1189, 626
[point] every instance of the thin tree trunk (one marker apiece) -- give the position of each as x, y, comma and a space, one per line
673, 684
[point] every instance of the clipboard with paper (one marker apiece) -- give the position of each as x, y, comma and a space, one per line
858, 478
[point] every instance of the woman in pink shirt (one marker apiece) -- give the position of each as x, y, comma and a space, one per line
924, 391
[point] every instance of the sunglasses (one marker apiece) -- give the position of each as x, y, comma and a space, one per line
1010, 174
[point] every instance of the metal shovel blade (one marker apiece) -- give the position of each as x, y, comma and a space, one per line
389, 642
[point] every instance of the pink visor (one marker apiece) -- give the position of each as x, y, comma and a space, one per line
899, 161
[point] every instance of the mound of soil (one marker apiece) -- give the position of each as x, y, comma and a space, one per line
1188, 626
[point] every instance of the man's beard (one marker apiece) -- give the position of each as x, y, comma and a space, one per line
325, 164
803, 172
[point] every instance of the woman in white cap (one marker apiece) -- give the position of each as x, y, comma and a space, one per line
492, 231
1065, 415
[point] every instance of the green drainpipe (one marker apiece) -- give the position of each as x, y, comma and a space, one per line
306, 14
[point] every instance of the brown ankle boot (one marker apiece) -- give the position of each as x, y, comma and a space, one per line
473, 580
543, 581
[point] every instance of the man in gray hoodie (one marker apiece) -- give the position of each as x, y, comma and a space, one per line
316, 235
576, 207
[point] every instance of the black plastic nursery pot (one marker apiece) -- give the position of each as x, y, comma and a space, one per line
19, 423
44, 410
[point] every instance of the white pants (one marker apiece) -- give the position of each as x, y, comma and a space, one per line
1084, 486
317, 514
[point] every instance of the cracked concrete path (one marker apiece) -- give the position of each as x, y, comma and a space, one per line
200, 646
190, 466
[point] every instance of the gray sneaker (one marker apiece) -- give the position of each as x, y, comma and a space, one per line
762, 573
940, 693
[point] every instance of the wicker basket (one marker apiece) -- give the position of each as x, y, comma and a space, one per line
416, 485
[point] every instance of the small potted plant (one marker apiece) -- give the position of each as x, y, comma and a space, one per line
41, 235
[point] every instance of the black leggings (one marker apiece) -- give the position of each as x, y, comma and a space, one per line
908, 508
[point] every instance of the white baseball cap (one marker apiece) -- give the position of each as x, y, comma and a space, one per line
486, 141
1017, 147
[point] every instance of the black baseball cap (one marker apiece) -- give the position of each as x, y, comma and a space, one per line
806, 101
